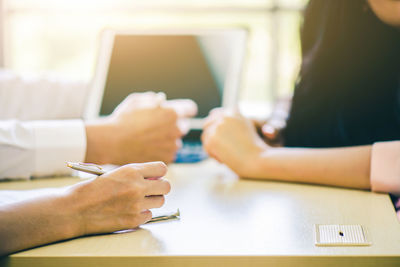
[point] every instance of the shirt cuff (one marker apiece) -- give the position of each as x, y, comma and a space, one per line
385, 167
57, 142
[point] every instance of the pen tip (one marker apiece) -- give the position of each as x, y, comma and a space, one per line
69, 164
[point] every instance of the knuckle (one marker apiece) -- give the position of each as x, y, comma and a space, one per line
134, 169
161, 201
171, 114
135, 208
137, 190
129, 170
162, 166
123, 170
119, 174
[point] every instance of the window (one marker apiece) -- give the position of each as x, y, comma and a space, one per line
62, 35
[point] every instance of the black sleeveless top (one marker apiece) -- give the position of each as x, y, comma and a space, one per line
348, 92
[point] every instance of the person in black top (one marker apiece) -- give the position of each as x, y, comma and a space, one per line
346, 101
348, 91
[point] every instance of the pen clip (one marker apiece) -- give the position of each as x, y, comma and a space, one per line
90, 165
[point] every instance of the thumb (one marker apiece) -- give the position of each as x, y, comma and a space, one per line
269, 131
183, 107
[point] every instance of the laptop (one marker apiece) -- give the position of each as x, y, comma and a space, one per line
203, 65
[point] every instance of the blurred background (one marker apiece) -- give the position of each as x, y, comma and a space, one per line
62, 36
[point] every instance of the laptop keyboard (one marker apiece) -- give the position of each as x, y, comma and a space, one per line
191, 152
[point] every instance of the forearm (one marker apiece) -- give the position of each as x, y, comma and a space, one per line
344, 167
37, 221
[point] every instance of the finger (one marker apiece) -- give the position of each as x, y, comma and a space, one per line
184, 125
216, 112
145, 216
183, 107
150, 169
236, 110
204, 136
257, 123
207, 147
213, 122
153, 202
144, 100
179, 144
209, 121
208, 133
277, 123
269, 131
149, 98
157, 187
232, 112
160, 98
138, 97
214, 115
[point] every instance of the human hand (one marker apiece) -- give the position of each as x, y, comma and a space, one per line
232, 139
271, 129
267, 131
144, 127
120, 199
272, 132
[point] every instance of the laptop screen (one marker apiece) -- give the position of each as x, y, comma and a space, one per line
175, 64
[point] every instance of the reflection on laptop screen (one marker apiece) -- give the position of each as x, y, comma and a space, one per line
174, 64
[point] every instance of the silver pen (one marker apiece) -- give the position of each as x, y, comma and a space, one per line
87, 167
98, 170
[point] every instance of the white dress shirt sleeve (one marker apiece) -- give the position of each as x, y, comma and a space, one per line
40, 125
40, 148
42, 97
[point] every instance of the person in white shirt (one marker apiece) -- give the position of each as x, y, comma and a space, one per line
41, 129
115, 201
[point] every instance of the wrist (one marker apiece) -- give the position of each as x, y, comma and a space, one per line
99, 142
251, 165
70, 217
272, 164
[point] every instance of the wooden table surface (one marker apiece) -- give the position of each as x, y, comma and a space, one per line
230, 221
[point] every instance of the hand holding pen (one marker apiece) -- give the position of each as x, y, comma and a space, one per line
98, 170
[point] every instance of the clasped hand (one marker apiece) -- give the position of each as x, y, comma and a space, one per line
232, 139
144, 127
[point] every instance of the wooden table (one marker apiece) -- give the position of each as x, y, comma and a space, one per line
226, 221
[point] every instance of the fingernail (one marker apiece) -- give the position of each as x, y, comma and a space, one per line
269, 131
